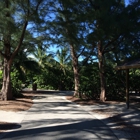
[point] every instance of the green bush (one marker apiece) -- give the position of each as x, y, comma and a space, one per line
16, 84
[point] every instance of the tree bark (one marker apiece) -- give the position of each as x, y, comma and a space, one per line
76, 72
101, 72
6, 92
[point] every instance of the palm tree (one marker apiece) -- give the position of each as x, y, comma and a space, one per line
64, 65
63, 58
40, 55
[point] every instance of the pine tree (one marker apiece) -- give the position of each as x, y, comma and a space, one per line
15, 17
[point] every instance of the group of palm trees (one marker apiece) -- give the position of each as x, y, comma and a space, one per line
46, 68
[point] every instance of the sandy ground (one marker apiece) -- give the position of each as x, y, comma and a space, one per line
19, 104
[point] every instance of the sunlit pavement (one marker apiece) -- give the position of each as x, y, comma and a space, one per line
53, 118
124, 123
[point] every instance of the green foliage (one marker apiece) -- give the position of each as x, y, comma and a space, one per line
81, 24
16, 83
90, 81
115, 84
134, 82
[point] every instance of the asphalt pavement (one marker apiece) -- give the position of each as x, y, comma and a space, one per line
52, 117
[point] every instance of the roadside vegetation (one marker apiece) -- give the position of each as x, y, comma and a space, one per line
90, 38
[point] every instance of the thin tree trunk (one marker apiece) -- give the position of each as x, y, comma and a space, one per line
101, 72
76, 72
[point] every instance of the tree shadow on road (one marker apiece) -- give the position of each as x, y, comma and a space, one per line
8, 126
125, 124
83, 130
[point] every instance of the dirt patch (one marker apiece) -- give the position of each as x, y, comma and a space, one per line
85, 101
19, 104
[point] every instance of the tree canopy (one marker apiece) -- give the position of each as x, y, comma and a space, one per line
91, 37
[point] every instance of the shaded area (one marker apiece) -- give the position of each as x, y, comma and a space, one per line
8, 126
90, 129
61, 120
47, 91
53, 118
126, 66
125, 124
85, 101
134, 102
129, 65
19, 104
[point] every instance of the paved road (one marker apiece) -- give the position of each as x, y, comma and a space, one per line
54, 118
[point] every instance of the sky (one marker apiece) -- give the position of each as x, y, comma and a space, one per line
126, 2
54, 49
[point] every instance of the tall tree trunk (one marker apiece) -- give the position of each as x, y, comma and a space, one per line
76, 72
6, 92
6, 86
101, 72
74, 60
